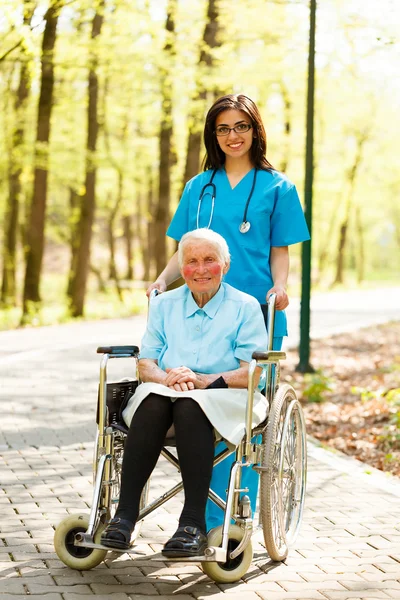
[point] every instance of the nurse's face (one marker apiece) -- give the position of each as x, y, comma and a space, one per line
237, 143
202, 269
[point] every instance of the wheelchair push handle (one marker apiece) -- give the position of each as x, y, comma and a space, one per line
119, 350
155, 292
271, 320
269, 357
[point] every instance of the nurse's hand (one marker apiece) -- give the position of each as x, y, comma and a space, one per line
282, 299
159, 285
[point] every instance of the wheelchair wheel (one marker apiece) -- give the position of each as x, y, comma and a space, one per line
116, 470
233, 569
73, 556
283, 482
115, 478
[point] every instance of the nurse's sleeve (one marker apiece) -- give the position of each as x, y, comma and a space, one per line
153, 340
288, 224
252, 335
180, 221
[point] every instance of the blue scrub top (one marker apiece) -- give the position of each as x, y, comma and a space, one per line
212, 339
276, 218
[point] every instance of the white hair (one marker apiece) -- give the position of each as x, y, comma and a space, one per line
207, 235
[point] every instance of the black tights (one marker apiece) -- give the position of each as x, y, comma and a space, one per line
195, 445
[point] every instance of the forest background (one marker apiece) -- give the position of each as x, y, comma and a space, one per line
102, 108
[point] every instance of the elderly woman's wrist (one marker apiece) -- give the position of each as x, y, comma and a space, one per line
202, 381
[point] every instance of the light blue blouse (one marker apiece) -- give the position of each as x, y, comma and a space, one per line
276, 218
212, 339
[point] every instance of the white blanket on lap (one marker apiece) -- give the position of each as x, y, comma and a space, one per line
225, 408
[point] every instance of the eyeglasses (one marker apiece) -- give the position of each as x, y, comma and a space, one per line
241, 128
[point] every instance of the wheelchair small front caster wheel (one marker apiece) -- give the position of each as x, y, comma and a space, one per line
77, 557
234, 568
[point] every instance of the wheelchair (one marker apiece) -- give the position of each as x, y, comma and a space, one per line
276, 449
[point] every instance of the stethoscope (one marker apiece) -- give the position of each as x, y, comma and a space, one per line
245, 225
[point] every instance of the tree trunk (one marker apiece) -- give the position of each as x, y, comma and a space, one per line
35, 227
127, 225
165, 143
81, 264
74, 206
360, 245
198, 105
351, 180
287, 127
8, 288
111, 239
149, 245
341, 249
324, 251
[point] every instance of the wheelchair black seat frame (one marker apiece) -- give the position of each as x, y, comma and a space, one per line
248, 454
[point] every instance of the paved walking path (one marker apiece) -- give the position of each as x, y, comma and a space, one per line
349, 545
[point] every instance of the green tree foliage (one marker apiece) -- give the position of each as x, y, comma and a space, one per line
154, 85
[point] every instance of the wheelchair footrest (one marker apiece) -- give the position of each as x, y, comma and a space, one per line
214, 554
132, 549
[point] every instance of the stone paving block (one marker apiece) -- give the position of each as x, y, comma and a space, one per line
13, 542
170, 589
10, 586
240, 587
52, 596
324, 577
133, 596
278, 577
133, 580
370, 594
376, 555
76, 578
381, 577
379, 542
388, 567
116, 596
382, 585
138, 588
29, 556
227, 596
46, 589
309, 595
302, 588
16, 549
179, 571
34, 570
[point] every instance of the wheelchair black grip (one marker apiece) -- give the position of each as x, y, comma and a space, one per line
272, 355
131, 350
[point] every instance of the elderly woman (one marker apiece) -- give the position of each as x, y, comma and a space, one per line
199, 338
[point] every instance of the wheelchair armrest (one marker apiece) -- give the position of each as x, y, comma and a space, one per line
119, 350
269, 357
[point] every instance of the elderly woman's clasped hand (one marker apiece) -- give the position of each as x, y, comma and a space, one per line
182, 379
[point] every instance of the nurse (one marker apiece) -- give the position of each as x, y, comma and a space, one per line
258, 212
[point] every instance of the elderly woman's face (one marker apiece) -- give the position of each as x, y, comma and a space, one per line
202, 268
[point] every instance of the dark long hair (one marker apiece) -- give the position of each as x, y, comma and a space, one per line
215, 157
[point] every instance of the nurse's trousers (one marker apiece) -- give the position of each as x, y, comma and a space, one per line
221, 472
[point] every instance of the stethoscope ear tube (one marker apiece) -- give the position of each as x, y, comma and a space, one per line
213, 195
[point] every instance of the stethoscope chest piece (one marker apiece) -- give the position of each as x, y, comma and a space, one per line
244, 227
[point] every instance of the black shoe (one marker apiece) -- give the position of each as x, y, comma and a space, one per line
186, 541
117, 534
